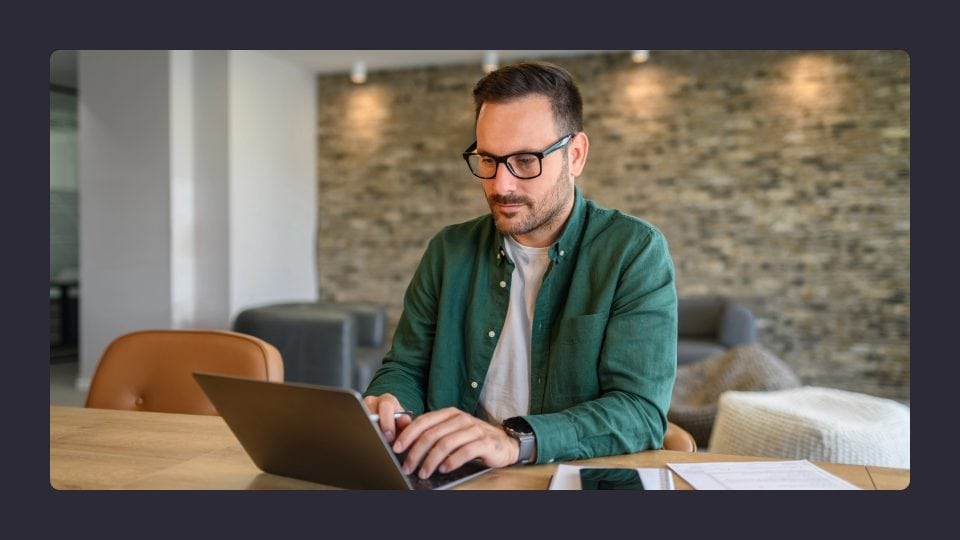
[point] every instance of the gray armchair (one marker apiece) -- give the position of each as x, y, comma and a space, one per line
711, 325
717, 351
327, 343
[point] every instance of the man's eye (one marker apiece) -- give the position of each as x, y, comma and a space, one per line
525, 161
487, 160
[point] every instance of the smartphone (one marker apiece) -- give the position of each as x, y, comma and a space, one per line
596, 478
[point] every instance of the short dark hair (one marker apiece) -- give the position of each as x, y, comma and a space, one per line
528, 78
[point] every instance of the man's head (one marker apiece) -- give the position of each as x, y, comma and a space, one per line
530, 107
534, 78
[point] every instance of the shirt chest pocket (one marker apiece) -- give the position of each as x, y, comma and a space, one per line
584, 330
575, 354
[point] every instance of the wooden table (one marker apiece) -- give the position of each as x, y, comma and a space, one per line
106, 449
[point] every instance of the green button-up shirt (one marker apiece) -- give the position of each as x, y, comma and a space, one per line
604, 336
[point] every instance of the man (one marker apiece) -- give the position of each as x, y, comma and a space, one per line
545, 330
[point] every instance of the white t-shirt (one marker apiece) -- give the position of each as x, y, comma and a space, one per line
506, 391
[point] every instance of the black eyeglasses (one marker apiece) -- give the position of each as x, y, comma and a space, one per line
523, 165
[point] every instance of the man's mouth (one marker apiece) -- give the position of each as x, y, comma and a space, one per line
506, 204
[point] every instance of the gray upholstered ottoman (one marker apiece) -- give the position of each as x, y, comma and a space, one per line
815, 423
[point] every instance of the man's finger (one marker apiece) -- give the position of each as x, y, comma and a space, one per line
474, 449
448, 445
385, 410
426, 436
422, 423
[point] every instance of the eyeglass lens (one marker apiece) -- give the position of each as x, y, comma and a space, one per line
520, 165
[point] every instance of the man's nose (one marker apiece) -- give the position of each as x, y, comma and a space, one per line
504, 181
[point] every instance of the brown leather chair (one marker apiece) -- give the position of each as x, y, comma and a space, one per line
678, 439
151, 370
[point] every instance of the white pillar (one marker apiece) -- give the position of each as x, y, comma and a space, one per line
124, 197
212, 189
197, 190
272, 204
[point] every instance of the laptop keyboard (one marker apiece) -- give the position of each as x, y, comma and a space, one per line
438, 479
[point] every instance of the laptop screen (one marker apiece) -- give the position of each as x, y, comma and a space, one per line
316, 433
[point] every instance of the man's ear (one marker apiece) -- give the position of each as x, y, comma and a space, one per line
579, 147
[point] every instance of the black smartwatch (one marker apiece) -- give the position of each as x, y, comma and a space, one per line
519, 429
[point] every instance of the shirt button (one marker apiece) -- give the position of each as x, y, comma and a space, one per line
473, 384
550, 460
562, 252
539, 380
503, 284
491, 333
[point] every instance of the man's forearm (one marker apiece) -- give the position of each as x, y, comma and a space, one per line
609, 425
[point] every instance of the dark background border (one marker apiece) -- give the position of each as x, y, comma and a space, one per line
35, 35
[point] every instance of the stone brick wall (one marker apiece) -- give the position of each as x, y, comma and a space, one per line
779, 178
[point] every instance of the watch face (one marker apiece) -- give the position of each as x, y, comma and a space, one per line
518, 424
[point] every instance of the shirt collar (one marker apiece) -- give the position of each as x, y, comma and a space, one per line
563, 247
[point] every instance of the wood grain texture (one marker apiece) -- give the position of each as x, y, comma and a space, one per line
103, 449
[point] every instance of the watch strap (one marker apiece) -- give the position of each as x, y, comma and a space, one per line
519, 429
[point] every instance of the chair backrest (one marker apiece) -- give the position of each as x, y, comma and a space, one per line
699, 316
678, 439
151, 370
715, 318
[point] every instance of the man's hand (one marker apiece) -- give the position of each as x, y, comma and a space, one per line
448, 438
385, 406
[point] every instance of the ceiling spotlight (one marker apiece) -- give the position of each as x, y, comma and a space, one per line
640, 57
490, 61
359, 73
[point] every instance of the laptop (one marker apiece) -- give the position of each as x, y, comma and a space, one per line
316, 433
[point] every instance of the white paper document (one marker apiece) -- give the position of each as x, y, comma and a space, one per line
759, 475
567, 477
